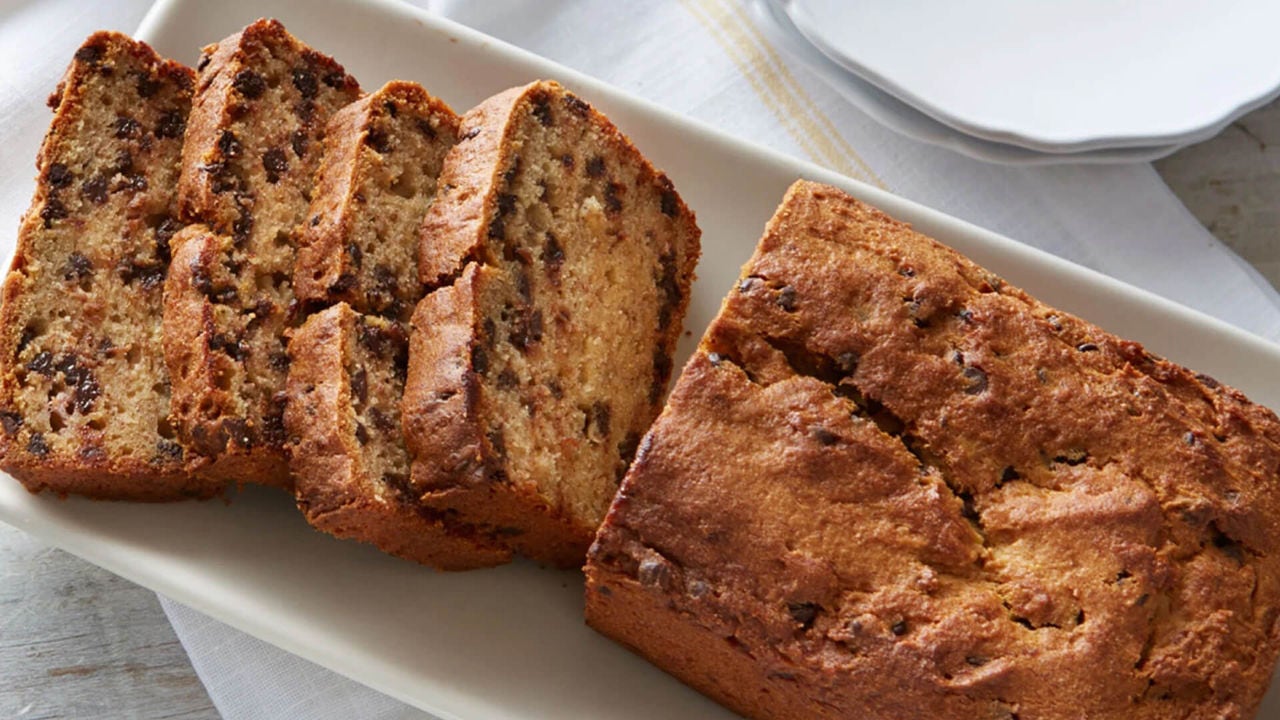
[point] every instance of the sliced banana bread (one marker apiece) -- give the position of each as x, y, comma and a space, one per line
381, 159
349, 460
350, 466
254, 144
890, 485
84, 396
560, 263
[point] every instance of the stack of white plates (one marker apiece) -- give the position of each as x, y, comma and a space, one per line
1041, 81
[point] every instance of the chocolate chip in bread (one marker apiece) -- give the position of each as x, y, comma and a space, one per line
559, 263
891, 485
84, 395
254, 143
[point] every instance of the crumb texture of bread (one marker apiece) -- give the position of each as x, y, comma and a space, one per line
350, 466
558, 262
84, 395
253, 145
891, 485
348, 362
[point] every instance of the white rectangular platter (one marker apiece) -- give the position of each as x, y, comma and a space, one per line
510, 642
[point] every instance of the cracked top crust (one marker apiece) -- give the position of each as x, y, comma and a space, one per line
898, 487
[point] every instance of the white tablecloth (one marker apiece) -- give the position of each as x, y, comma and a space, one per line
710, 60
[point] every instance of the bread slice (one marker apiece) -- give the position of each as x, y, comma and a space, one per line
891, 485
349, 459
84, 397
252, 149
561, 263
381, 160
350, 466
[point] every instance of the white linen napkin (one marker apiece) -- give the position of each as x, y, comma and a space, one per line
712, 60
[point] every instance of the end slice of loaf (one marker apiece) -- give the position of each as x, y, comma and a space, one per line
350, 465
349, 459
252, 149
891, 485
560, 263
84, 397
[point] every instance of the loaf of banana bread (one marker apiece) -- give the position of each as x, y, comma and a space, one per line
255, 141
84, 395
559, 264
890, 485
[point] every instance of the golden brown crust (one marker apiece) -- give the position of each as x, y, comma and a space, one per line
334, 489
557, 250
84, 284
896, 486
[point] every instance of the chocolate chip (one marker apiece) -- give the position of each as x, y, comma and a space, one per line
498, 443
205, 58
95, 189
542, 109
576, 104
612, 202
305, 81
847, 362
168, 449
899, 628
907, 271
249, 84
507, 379
242, 227
670, 203
384, 421
1208, 381
90, 53
715, 359
42, 363
748, 284
58, 175
128, 128
360, 386
497, 228
239, 432
124, 162
823, 435
92, 453
469, 134
595, 167
526, 330
975, 660
298, 141
600, 416
278, 361
1072, 458
53, 210
786, 298
234, 348
78, 266
147, 86
567, 161
977, 380
164, 233
379, 141
275, 163
10, 421
555, 389
966, 316
335, 79
552, 254
1087, 347
37, 446
804, 613
424, 127
654, 571
86, 390
228, 144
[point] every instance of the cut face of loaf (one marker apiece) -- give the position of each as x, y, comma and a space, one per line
255, 141
350, 466
360, 243
349, 460
84, 396
561, 262
891, 485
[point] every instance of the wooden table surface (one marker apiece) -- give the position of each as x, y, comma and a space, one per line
77, 641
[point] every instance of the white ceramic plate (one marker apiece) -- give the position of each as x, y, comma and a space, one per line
1060, 76
906, 120
510, 642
